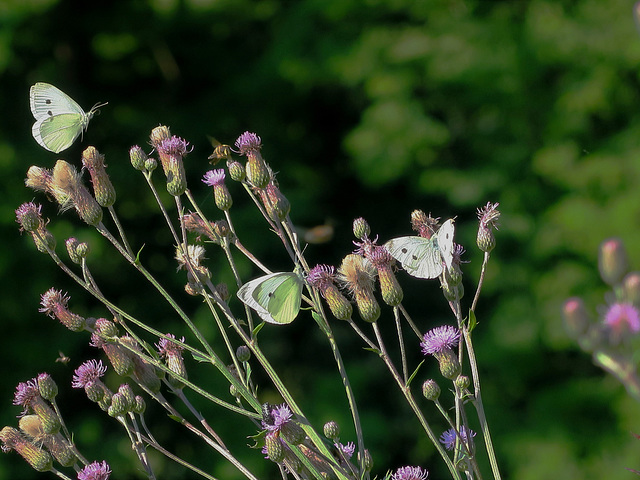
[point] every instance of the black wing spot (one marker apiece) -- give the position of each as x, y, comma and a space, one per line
413, 257
50, 113
48, 101
403, 250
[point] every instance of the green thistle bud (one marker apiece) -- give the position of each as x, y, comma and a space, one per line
576, 318
339, 305
94, 391
275, 449
13, 439
236, 170
389, 287
103, 189
462, 382
60, 449
256, 170
449, 365
243, 354
140, 406
72, 244
488, 216
106, 328
276, 203
44, 240
105, 403
332, 431
119, 406
452, 293
368, 306
368, 460
613, 262
150, 164
221, 195
361, 228
171, 152
137, 157
430, 390
49, 419
223, 291
120, 358
29, 217
47, 386
127, 393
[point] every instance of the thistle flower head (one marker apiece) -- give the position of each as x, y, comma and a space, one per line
29, 217
440, 339
87, 373
248, 142
448, 438
54, 304
95, 471
356, 273
280, 415
321, 277
214, 177
613, 261
26, 393
424, 224
195, 254
167, 348
410, 473
346, 450
488, 216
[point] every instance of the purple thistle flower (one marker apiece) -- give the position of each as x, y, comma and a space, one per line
622, 317
440, 339
321, 276
87, 373
26, 392
95, 471
248, 142
448, 438
279, 416
167, 348
214, 177
174, 146
489, 215
346, 450
53, 301
29, 216
410, 473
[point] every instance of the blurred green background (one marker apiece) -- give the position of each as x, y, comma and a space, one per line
366, 108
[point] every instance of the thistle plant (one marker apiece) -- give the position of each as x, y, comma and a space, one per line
157, 366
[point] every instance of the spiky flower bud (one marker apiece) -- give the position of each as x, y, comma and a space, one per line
576, 318
275, 203
171, 152
631, 288
439, 342
103, 189
424, 224
67, 180
357, 274
323, 278
127, 393
389, 287
488, 216
332, 431
118, 407
223, 291
38, 458
137, 157
43, 239
29, 217
361, 228
54, 304
368, 460
258, 174
430, 390
221, 195
143, 372
236, 170
613, 262
87, 376
150, 164
140, 406
274, 447
172, 354
77, 250
243, 354
452, 292
47, 386
120, 358
462, 382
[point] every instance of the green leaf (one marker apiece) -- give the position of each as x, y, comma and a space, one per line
414, 373
472, 320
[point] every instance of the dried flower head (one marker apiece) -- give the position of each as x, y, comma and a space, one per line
54, 304
357, 275
424, 224
488, 216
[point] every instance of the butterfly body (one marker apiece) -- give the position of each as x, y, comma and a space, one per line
59, 118
276, 297
425, 257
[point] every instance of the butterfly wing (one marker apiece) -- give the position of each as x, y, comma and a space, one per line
57, 133
419, 256
276, 298
49, 101
444, 239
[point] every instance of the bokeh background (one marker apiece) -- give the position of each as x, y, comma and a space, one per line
366, 108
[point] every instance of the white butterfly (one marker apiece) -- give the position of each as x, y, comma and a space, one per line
423, 257
59, 119
275, 297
